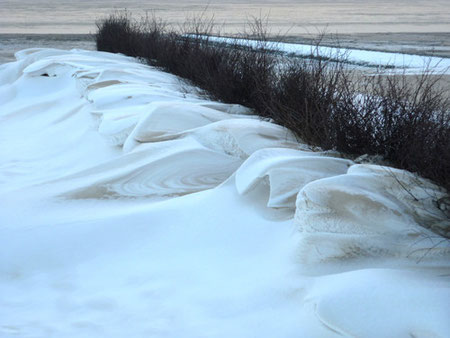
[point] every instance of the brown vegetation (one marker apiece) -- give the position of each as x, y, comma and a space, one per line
319, 98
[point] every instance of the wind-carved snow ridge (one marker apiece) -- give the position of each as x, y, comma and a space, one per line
348, 212
372, 212
125, 197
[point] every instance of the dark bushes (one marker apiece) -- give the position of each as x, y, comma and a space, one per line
117, 34
319, 98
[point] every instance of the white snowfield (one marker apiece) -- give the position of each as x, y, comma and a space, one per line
132, 207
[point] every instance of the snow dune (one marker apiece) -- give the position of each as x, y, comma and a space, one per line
131, 206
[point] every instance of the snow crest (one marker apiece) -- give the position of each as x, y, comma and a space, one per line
128, 198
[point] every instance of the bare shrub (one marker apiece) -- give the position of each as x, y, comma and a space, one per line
319, 98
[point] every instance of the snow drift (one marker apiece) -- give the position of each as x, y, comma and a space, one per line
129, 205
396, 62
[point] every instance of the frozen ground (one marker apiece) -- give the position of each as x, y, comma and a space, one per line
129, 206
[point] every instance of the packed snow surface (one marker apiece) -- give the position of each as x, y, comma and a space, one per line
130, 206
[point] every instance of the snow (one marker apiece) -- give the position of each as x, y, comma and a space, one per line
403, 63
131, 206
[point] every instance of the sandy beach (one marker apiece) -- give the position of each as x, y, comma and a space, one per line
419, 27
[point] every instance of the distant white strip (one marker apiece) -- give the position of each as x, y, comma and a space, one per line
410, 64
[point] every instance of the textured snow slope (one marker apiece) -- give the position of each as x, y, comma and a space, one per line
130, 206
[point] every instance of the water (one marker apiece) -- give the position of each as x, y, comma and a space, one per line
342, 16
67, 24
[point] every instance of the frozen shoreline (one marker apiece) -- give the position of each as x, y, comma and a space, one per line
358, 58
133, 207
359, 52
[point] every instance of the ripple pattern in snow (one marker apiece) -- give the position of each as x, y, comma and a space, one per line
121, 188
